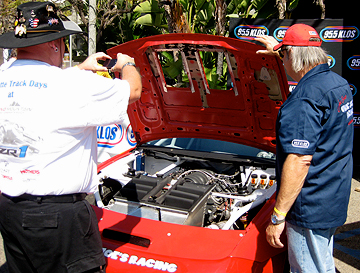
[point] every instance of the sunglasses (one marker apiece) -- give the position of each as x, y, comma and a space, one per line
282, 52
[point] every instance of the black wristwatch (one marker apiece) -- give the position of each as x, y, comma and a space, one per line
276, 221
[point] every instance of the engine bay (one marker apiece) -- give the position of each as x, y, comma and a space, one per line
209, 190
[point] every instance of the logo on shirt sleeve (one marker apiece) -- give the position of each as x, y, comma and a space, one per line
299, 143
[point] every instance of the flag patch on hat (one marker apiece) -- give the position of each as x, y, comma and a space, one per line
53, 21
34, 22
311, 32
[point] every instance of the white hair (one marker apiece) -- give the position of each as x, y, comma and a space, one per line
306, 57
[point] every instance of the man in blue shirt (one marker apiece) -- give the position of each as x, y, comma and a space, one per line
314, 152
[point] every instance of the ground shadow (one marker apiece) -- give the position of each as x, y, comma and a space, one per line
347, 244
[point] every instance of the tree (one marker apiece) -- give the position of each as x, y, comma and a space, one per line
8, 13
119, 21
109, 13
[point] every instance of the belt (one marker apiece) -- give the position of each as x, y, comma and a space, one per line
65, 198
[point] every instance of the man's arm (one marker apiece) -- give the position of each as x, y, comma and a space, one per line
295, 170
130, 74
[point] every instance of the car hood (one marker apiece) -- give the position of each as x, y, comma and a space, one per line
243, 112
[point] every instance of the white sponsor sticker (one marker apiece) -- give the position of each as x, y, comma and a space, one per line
299, 143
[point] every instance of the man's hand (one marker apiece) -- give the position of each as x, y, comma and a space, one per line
273, 233
269, 43
121, 60
294, 172
91, 62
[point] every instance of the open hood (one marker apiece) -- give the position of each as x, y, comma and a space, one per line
183, 97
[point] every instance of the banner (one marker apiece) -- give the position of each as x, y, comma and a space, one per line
340, 40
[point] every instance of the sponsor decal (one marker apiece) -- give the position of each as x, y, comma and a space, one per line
130, 137
339, 33
140, 261
300, 143
331, 61
354, 62
249, 32
109, 136
279, 33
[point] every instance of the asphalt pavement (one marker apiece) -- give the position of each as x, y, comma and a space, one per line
347, 237
346, 241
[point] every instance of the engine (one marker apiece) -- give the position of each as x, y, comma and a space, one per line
189, 191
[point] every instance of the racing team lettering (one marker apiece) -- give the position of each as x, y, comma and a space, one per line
347, 108
139, 261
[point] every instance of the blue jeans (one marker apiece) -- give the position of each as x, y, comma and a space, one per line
310, 250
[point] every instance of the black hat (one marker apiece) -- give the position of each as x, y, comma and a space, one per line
37, 23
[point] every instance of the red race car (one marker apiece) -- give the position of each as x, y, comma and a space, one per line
197, 191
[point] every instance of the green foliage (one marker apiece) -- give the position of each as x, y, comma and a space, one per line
257, 8
199, 15
8, 13
150, 14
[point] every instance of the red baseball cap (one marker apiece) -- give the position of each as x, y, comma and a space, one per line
300, 35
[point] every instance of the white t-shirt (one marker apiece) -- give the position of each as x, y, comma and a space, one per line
48, 119
7, 64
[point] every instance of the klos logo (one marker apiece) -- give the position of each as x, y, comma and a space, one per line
292, 85
331, 61
130, 137
339, 33
109, 136
249, 32
354, 62
353, 89
279, 33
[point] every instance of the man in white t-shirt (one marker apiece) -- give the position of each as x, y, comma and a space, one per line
48, 144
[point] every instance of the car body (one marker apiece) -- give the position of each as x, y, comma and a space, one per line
197, 192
